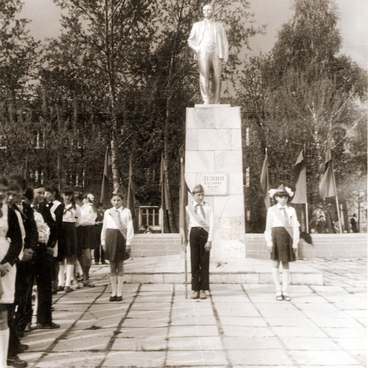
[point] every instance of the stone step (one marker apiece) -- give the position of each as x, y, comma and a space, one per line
170, 269
324, 246
151, 245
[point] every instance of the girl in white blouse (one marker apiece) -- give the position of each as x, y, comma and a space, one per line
86, 241
116, 235
68, 239
282, 236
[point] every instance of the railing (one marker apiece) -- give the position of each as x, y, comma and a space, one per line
150, 218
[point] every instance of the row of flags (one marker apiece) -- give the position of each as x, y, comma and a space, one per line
327, 186
106, 191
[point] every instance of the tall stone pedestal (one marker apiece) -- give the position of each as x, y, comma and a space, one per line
213, 158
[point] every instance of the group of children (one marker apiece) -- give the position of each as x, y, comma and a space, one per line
282, 236
42, 239
40, 235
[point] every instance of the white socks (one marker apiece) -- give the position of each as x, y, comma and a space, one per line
285, 280
61, 275
113, 280
120, 285
69, 274
4, 343
276, 278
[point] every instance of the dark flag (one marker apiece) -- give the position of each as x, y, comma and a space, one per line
327, 187
131, 196
105, 188
300, 171
265, 181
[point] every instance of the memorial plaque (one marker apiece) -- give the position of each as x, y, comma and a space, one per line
214, 184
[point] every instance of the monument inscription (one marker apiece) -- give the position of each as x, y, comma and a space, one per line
214, 183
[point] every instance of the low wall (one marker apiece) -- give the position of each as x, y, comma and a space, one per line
324, 246
154, 245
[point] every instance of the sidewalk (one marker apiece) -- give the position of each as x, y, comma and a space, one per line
239, 325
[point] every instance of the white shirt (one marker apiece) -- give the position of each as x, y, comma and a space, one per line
275, 220
87, 215
72, 214
193, 222
42, 228
125, 220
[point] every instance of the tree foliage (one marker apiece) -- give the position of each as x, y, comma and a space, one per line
304, 94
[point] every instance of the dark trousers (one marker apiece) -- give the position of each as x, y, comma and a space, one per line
200, 259
99, 253
23, 294
13, 337
43, 273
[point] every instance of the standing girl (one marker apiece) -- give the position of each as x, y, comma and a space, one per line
10, 247
86, 236
116, 235
282, 236
68, 239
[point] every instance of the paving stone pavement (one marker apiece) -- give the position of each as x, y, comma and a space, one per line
238, 325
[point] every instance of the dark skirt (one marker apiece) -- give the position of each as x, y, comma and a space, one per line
86, 237
68, 242
115, 245
282, 245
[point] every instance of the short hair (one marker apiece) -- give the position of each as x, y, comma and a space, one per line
38, 186
14, 186
29, 194
51, 189
198, 189
119, 194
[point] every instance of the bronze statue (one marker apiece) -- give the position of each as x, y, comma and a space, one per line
209, 42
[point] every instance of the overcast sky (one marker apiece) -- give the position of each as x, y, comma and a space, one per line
45, 16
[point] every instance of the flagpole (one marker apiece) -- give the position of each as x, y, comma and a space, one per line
186, 272
306, 218
338, 213
306, 185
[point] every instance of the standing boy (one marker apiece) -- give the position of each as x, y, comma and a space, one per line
43, 259
200, 224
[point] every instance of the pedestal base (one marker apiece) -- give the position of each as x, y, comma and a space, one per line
214, 149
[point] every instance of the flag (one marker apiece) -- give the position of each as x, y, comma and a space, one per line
300, 172
327, 186
265, 181
164, 192
131, 196
105, 188
183, 200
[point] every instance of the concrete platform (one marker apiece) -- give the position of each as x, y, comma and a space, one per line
237, 326
170, 270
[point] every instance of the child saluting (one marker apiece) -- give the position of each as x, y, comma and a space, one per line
116, 235
282, 236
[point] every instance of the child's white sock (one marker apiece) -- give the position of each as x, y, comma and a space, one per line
285, 280
276, 278
61, 276
113, 285
4, 343
69, 274
120, 285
